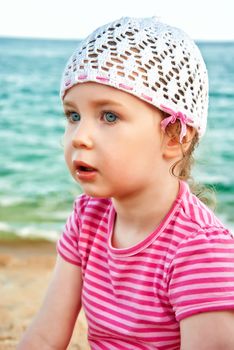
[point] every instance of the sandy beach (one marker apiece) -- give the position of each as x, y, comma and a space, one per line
25, 270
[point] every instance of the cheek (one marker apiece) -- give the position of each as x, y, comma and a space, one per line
67, 147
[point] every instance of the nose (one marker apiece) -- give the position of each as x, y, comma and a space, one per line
81, 137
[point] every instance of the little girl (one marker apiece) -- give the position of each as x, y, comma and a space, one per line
150, 264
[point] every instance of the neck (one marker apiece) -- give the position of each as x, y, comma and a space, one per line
145, 210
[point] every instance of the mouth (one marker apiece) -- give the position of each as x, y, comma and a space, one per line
84, 171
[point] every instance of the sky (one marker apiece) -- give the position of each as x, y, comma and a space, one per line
74, 19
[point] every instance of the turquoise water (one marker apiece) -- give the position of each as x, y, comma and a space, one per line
36, 191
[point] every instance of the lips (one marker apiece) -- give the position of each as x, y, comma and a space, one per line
82, 166
84, 171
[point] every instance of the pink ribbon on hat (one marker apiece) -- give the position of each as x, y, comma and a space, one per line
172, 119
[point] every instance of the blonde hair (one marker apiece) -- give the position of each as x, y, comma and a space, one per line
182, 169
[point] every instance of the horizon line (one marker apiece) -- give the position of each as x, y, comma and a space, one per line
213, 40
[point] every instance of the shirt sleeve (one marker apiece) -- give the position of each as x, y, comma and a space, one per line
68, 242
202, 274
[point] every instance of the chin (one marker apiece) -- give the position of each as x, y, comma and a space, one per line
94, 193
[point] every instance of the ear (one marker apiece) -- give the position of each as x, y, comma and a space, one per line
172, 148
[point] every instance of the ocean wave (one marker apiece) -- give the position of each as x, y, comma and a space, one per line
29, 231
221, 94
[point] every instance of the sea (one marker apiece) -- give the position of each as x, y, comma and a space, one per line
36, 190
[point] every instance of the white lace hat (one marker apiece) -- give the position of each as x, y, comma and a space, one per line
158, 63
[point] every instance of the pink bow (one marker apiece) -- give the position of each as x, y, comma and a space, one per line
172, 119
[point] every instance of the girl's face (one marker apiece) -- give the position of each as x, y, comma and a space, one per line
113, 141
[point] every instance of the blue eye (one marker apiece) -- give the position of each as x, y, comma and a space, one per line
73, 116
110, 117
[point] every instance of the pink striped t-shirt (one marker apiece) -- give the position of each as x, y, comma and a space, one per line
134, 298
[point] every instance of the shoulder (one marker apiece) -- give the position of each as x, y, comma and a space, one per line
206, 244
89, 206
196, 218
193, 227
88, 215
202, 229
199, 237
200, 277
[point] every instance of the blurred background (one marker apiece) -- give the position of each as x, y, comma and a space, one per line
36, 39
